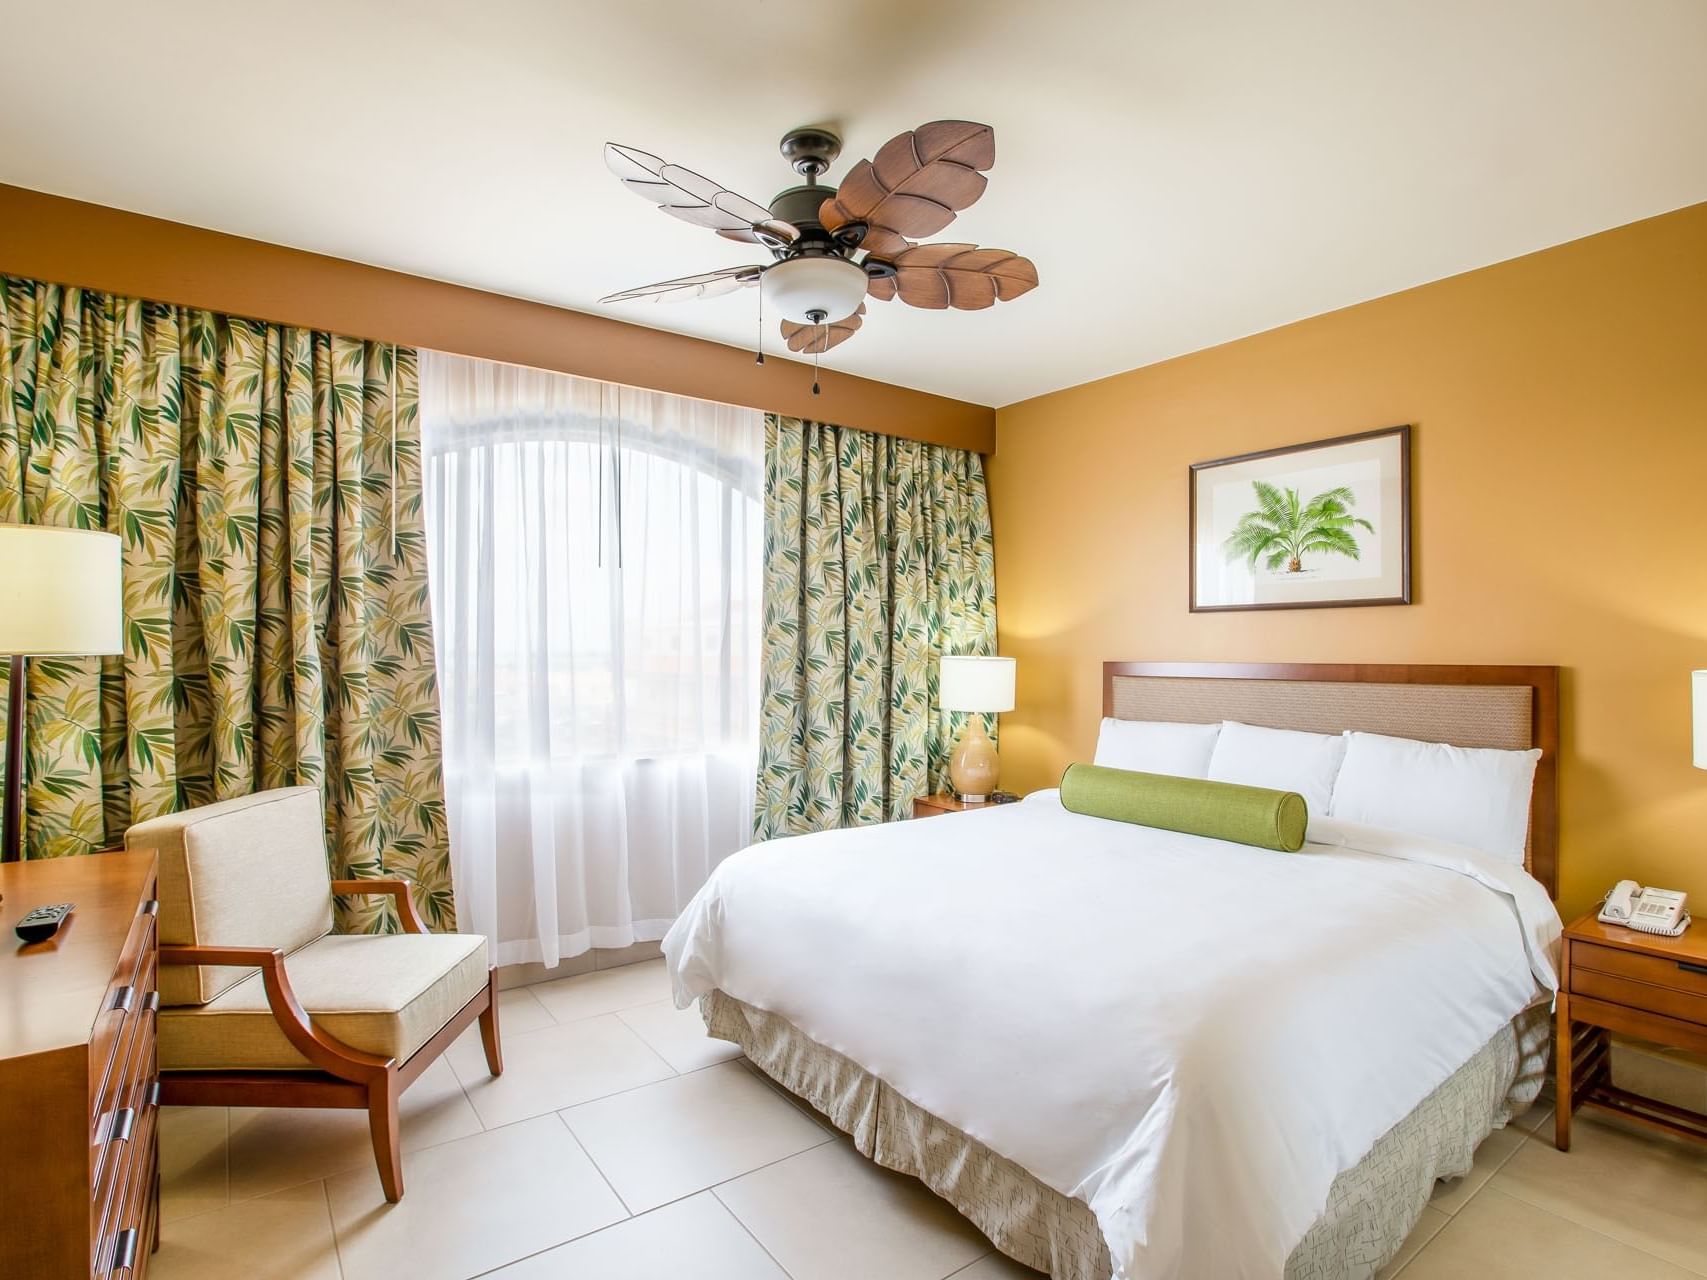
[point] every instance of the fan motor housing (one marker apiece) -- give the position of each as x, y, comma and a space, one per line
800, 205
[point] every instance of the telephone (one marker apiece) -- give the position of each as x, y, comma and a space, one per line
1650, 910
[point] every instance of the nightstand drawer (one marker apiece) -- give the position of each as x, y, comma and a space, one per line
1680, 975
1667, 1000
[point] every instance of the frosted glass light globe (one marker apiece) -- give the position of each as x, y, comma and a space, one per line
800, 286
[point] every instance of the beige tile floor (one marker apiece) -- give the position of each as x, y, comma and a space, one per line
622, 1144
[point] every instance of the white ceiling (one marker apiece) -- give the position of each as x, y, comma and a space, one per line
1182, 173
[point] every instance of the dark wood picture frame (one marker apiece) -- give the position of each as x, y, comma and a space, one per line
1197, 469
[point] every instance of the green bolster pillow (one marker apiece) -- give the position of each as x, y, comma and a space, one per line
1194, 806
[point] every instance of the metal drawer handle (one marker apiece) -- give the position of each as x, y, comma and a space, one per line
1692, 968
152, 1004
124, 1249
153, 1098
149, 908
123, 999
120, 1126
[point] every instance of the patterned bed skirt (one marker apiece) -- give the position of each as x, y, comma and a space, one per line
1371, 1206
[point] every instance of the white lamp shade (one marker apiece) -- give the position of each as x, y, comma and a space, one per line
798, 287
1699, 679
62, 591
976, 684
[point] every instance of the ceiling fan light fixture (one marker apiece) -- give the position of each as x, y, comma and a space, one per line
814, 290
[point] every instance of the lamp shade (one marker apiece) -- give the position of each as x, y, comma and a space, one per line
61, 591
1699, 679
976, 684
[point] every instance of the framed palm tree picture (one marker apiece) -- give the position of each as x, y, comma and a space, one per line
1311, 526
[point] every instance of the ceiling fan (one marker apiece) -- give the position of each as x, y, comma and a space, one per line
831, 246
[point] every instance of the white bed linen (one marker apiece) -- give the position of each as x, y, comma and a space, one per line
1194, 1037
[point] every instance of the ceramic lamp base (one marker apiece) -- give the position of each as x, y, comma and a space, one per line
974, 766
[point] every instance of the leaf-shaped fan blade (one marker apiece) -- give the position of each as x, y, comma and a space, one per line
707, 284
694, 198
962, 276
918, 180
814, 339
880, 242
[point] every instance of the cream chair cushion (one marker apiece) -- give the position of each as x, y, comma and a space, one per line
242, 873
383, 994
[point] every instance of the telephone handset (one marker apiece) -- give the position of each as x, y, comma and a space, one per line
1650, 910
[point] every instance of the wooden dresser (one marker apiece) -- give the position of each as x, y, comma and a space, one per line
79, 1164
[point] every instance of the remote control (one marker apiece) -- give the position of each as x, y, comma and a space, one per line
43, 921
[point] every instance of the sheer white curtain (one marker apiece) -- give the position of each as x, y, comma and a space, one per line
595, 556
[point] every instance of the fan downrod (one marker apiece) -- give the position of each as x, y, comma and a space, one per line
811, 151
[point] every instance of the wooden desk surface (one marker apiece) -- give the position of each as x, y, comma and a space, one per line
51, 991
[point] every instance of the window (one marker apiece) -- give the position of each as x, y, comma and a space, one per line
595, 554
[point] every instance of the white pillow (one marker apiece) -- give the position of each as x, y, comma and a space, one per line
1281, 759
1157, 746
1467, 795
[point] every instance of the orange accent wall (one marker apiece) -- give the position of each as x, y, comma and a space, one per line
1559, 503
71, 242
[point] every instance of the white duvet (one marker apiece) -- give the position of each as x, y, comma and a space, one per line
1193, 1037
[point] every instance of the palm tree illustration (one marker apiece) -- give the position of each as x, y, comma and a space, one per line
1283, 529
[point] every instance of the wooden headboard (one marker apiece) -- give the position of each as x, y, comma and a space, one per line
1509, 707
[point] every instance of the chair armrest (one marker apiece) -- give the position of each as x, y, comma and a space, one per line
325, 1051
397, 890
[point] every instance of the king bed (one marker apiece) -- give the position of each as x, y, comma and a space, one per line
1128, 1052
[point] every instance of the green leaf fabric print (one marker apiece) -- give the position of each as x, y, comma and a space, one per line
265, 483
878, 560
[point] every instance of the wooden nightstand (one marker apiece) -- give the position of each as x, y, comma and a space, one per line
943, 802
1637, 984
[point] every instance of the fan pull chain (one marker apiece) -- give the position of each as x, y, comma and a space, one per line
760, 358
816, 352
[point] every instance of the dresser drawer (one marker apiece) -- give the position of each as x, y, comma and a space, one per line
119, 1128
1683, 1005
1683, 975
127, 1155
131, 984
120, 1234
133, 1016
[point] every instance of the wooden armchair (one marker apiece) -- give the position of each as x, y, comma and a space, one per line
262, 1005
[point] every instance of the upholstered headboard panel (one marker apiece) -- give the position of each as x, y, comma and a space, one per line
1508, 707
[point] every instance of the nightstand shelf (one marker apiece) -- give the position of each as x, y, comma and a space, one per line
1613, 979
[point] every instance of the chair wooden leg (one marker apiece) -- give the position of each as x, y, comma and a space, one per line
382, 1125
489, 1027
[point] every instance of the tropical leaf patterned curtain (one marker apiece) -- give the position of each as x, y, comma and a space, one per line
878, 560
276, 612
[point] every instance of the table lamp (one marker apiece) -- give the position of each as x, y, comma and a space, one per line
61, 595
981, 685
1699, 681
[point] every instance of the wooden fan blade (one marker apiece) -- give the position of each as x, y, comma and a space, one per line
773, 233
707, 284
881, 287
918, 181
961, 276
814, 339
694, 198
880, 242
